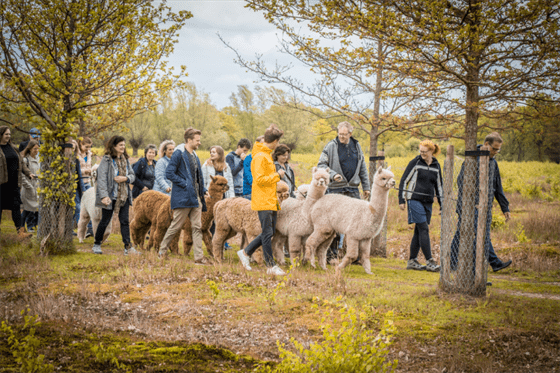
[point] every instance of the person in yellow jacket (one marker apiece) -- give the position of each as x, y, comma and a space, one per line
264, 199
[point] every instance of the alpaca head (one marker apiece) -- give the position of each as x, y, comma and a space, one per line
320, 177
301, 191
384, 178
218, 185
94, 174
282, 191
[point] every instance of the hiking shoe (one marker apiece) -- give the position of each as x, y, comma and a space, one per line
501, 266
244, 259
162, 254
414, 264
276, 271
97, 249
432, 266
202, 261
131, 250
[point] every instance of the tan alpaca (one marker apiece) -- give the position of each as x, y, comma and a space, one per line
294, 224
358, 220
234, 215
218, 185
301, 191
146, 206
216, 190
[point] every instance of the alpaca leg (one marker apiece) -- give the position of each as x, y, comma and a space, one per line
322, 251
352, 252
220, 236
365, 248
187, 240
82, 224
207, 239
174, 245
294, 243
158, 235
278, 242
313, 242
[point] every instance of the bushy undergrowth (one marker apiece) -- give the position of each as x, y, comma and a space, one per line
353, 347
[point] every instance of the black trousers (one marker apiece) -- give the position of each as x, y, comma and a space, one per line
268, 225
106, 216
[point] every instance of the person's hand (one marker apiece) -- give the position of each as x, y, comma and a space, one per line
507, 215
242, 156
281, 173
106, 201
402, 206
145, 189
168, 190
206, 194
33, 176
120, 179
366, 194
337, 178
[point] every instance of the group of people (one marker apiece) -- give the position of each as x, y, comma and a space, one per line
250, 174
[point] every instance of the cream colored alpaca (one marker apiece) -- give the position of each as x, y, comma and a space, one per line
294, 223
301, 191
358, 220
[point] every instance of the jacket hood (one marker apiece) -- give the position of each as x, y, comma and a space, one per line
260, 148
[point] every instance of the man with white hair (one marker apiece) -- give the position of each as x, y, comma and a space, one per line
348, 169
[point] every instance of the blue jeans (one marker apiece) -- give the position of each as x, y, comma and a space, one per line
268, 225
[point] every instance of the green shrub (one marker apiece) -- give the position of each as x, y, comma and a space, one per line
25, 350
351, 348
110, 356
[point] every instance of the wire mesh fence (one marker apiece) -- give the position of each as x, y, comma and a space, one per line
466, 220
56, 214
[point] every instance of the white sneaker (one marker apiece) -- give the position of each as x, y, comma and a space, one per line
276, 271
244, 259
131, 250
97, 249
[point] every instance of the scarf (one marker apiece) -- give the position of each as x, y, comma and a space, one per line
122, 191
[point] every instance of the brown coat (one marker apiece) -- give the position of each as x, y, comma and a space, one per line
4, 168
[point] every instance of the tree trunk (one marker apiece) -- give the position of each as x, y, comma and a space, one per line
56, 214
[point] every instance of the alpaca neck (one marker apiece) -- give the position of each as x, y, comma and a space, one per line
379, 200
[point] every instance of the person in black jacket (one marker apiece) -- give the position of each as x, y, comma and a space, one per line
145, 171
420, 180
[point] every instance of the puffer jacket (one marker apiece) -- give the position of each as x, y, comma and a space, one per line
265, 178
4, 168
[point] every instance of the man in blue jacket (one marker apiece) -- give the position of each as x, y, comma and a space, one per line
247, 175
187, 194
235, 162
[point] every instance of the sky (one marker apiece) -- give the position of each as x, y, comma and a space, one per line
210, 64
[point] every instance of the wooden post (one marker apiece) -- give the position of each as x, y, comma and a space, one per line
480, 269
379, 242
446, 221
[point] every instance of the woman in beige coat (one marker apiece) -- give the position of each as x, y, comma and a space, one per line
29, 197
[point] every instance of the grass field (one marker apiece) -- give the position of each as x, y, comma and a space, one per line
115, 313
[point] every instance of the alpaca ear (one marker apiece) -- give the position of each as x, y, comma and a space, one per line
213, 178
313, 170
328, 169
379, 169
389, 168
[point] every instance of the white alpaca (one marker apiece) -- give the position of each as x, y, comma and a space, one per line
301, 191
88, 211
294, 223
358, 220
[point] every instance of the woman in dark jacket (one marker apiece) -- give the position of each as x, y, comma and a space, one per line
12, 169
420, 180
112, 193
145, 171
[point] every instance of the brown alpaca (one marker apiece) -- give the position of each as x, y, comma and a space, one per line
146, 206
216, 190
234, 215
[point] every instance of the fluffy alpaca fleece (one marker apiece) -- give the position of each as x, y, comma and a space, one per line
218, 186
358, 220
294, 223
234, 215
301, 191
146, 206
88, 211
